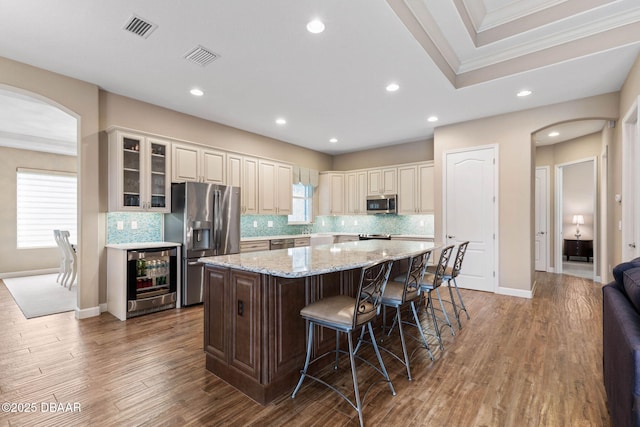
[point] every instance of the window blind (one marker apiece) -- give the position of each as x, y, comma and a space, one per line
46, 201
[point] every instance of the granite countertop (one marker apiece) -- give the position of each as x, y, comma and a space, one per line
142, 245
321, 259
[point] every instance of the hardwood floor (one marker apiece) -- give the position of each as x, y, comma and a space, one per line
517, 362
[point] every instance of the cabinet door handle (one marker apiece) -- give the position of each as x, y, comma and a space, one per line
240, 308
451, 237
632, 245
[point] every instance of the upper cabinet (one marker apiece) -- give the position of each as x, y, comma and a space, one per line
242, 171
382, 181
356, 192
415, 188
275, 188
332, 189
199, 164
139, 173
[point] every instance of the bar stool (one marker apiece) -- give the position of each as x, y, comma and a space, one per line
397, 294
450, 274
345, 314
431, 282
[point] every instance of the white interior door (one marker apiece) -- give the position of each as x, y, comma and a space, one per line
541, 219
469, 197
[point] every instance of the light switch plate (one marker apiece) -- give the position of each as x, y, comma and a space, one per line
120, 225
134, 225
269, 223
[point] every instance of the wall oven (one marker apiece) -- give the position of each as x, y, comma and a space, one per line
383, 204
151, 280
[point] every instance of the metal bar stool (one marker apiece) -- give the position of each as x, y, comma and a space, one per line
399, 294
345, 314
431, 282
451, 274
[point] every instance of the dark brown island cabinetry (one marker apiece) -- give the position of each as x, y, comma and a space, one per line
254, 337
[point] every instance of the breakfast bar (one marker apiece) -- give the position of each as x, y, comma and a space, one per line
254, 337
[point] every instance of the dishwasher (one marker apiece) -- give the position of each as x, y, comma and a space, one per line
281, 244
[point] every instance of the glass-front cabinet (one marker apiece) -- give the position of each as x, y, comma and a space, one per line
139, 178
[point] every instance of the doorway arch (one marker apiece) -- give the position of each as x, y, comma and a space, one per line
595, 134
37, 123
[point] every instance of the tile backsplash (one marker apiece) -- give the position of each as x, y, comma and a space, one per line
150, 226
274, 225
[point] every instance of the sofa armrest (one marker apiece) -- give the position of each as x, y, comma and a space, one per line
621, 357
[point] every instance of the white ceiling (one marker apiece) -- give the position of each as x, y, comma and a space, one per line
457, 59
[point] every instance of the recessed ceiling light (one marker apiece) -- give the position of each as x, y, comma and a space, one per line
333, 140
554, 133
316, 26
196, 92
392, 87
524, 92
432, 119
281, 121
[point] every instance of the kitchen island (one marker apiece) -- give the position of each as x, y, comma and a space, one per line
254, 337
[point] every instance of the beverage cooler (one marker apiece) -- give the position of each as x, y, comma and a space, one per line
151, 280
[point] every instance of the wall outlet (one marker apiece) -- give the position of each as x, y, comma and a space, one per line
120, 225
134, 225
355, 222
255, 224
421, 223
341, 222
269, 223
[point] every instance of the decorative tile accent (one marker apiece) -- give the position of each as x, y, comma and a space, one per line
372, 224
150, 227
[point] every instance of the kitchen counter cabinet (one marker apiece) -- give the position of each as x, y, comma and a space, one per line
254, 246
254, 337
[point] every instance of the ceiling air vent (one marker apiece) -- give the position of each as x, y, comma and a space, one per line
201, 56
139, 26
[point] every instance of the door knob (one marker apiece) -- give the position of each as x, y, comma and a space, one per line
632, 245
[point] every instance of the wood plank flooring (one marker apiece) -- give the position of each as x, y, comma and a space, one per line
516, 362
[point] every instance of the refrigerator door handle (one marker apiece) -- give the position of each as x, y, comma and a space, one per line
217, 221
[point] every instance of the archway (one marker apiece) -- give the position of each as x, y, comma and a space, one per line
36, 135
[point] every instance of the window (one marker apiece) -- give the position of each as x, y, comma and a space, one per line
301, 207
46, 201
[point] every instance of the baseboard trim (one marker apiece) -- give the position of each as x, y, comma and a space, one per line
12, 274
85, 313
516, 292
103, 307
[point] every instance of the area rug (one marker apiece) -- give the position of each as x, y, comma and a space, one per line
41, 295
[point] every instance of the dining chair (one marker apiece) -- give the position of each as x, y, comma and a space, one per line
345, 314
62, 271
431, 282
71, 260
399, 295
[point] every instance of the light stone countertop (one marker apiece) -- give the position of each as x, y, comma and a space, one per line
320, 259
142, 245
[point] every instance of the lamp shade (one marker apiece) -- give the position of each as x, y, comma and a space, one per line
578, 219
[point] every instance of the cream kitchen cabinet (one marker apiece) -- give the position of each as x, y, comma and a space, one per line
242, 171
275, 188
139, 172
356, 192
198, 163
382, 181
331, 193
415, 188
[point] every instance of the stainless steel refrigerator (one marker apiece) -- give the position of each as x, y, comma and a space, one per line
205, 218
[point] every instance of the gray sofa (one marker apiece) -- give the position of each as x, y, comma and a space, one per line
621, 344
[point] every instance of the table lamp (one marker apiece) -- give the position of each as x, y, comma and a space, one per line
578, 220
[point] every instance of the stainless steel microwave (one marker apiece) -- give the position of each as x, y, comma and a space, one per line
383, 204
